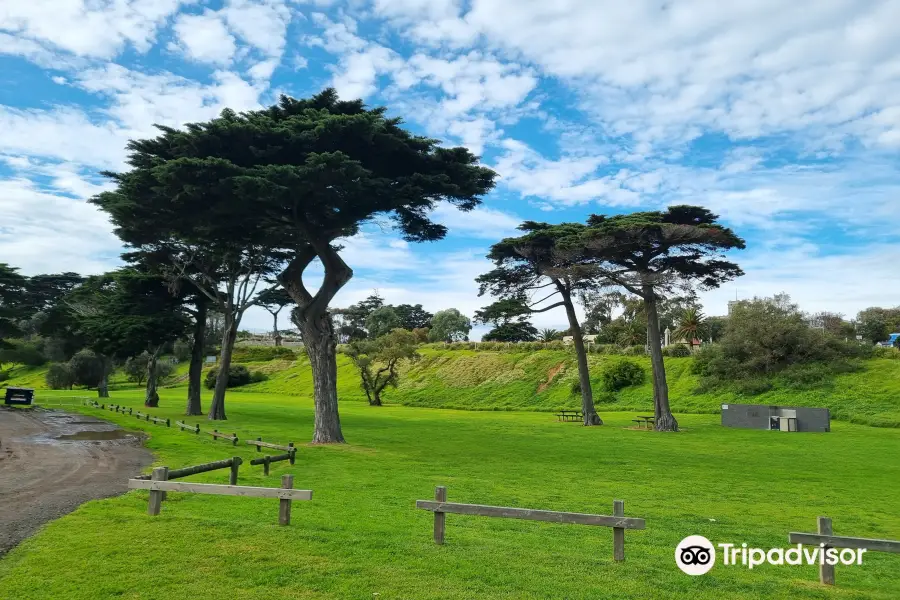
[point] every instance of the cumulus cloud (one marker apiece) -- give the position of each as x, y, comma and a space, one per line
204, 38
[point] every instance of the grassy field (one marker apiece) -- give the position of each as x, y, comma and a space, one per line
361, 538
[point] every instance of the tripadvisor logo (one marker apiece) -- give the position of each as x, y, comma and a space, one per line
696, 555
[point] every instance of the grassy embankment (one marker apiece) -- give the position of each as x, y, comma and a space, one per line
361, 538
476, 380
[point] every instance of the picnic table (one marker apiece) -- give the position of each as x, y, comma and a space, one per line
648, 421
569, 415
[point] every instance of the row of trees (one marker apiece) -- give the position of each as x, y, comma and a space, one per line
653, 256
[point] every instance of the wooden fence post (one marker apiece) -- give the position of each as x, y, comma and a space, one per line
165, 478
159, 474
235, 463
826, 571
266, 465
440, 518
234, 440
258, 439
618, 532
284, 505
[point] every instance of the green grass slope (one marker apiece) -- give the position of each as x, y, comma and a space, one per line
542, 381
474, 380
362, 538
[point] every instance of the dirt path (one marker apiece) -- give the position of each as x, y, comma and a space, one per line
51, 462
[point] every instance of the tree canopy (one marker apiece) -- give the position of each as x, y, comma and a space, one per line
652, 254
449, 325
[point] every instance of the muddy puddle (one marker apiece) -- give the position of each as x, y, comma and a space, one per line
115, 434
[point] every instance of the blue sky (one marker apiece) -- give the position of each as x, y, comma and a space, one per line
784, 119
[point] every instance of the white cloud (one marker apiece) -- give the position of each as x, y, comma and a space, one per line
44, 231
666, 72
204, 38
844, 282
262, 24
90, 28
482, 222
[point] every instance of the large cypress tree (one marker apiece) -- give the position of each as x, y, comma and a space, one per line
651, 254
530, 271
290, 180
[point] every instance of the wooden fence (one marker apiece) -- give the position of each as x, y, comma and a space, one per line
261, 444
232, 463
182, 426
159, 485
825, 536
233, 438
618, 521
267, 460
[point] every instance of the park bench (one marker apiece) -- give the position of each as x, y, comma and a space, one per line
569, 415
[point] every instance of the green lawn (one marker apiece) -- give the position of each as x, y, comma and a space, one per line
361, 538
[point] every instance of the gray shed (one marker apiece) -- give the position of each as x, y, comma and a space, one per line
776, 418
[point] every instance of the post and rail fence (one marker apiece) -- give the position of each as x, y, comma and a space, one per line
159, 483
618, 521
826, 536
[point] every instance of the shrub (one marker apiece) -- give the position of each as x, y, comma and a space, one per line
676, 350
238, 375
555, 345
258, 376
621, 373
88, 368
60, 377
135, 368
23, 353
883, 352
634, 351
4, 375
262, 353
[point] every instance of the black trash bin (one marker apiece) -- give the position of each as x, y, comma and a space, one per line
15, 395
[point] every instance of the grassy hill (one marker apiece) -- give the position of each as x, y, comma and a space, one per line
542, 381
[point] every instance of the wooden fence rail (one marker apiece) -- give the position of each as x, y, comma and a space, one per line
259, 443
183, 426
619, 522
233, 438
232, 463
138, 414
825, 536
158, 486
266, 460
159, 421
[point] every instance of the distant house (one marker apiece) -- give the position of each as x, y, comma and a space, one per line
568, 339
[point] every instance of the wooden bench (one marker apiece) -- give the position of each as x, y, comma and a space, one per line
569, 415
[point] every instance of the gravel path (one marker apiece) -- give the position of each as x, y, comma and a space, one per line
52, 461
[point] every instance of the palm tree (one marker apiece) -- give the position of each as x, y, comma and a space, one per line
548, 335
689, 325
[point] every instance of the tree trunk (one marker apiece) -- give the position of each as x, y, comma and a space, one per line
275, 329
195, 371
320, 345
665, 421
217, 408
584, 376
376, 400
103, 388
151, 397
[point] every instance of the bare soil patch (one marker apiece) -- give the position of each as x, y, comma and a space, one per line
51, 462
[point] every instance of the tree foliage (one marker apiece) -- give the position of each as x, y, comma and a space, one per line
378, 361
88, 368
449, 325
653, 255
382, 321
